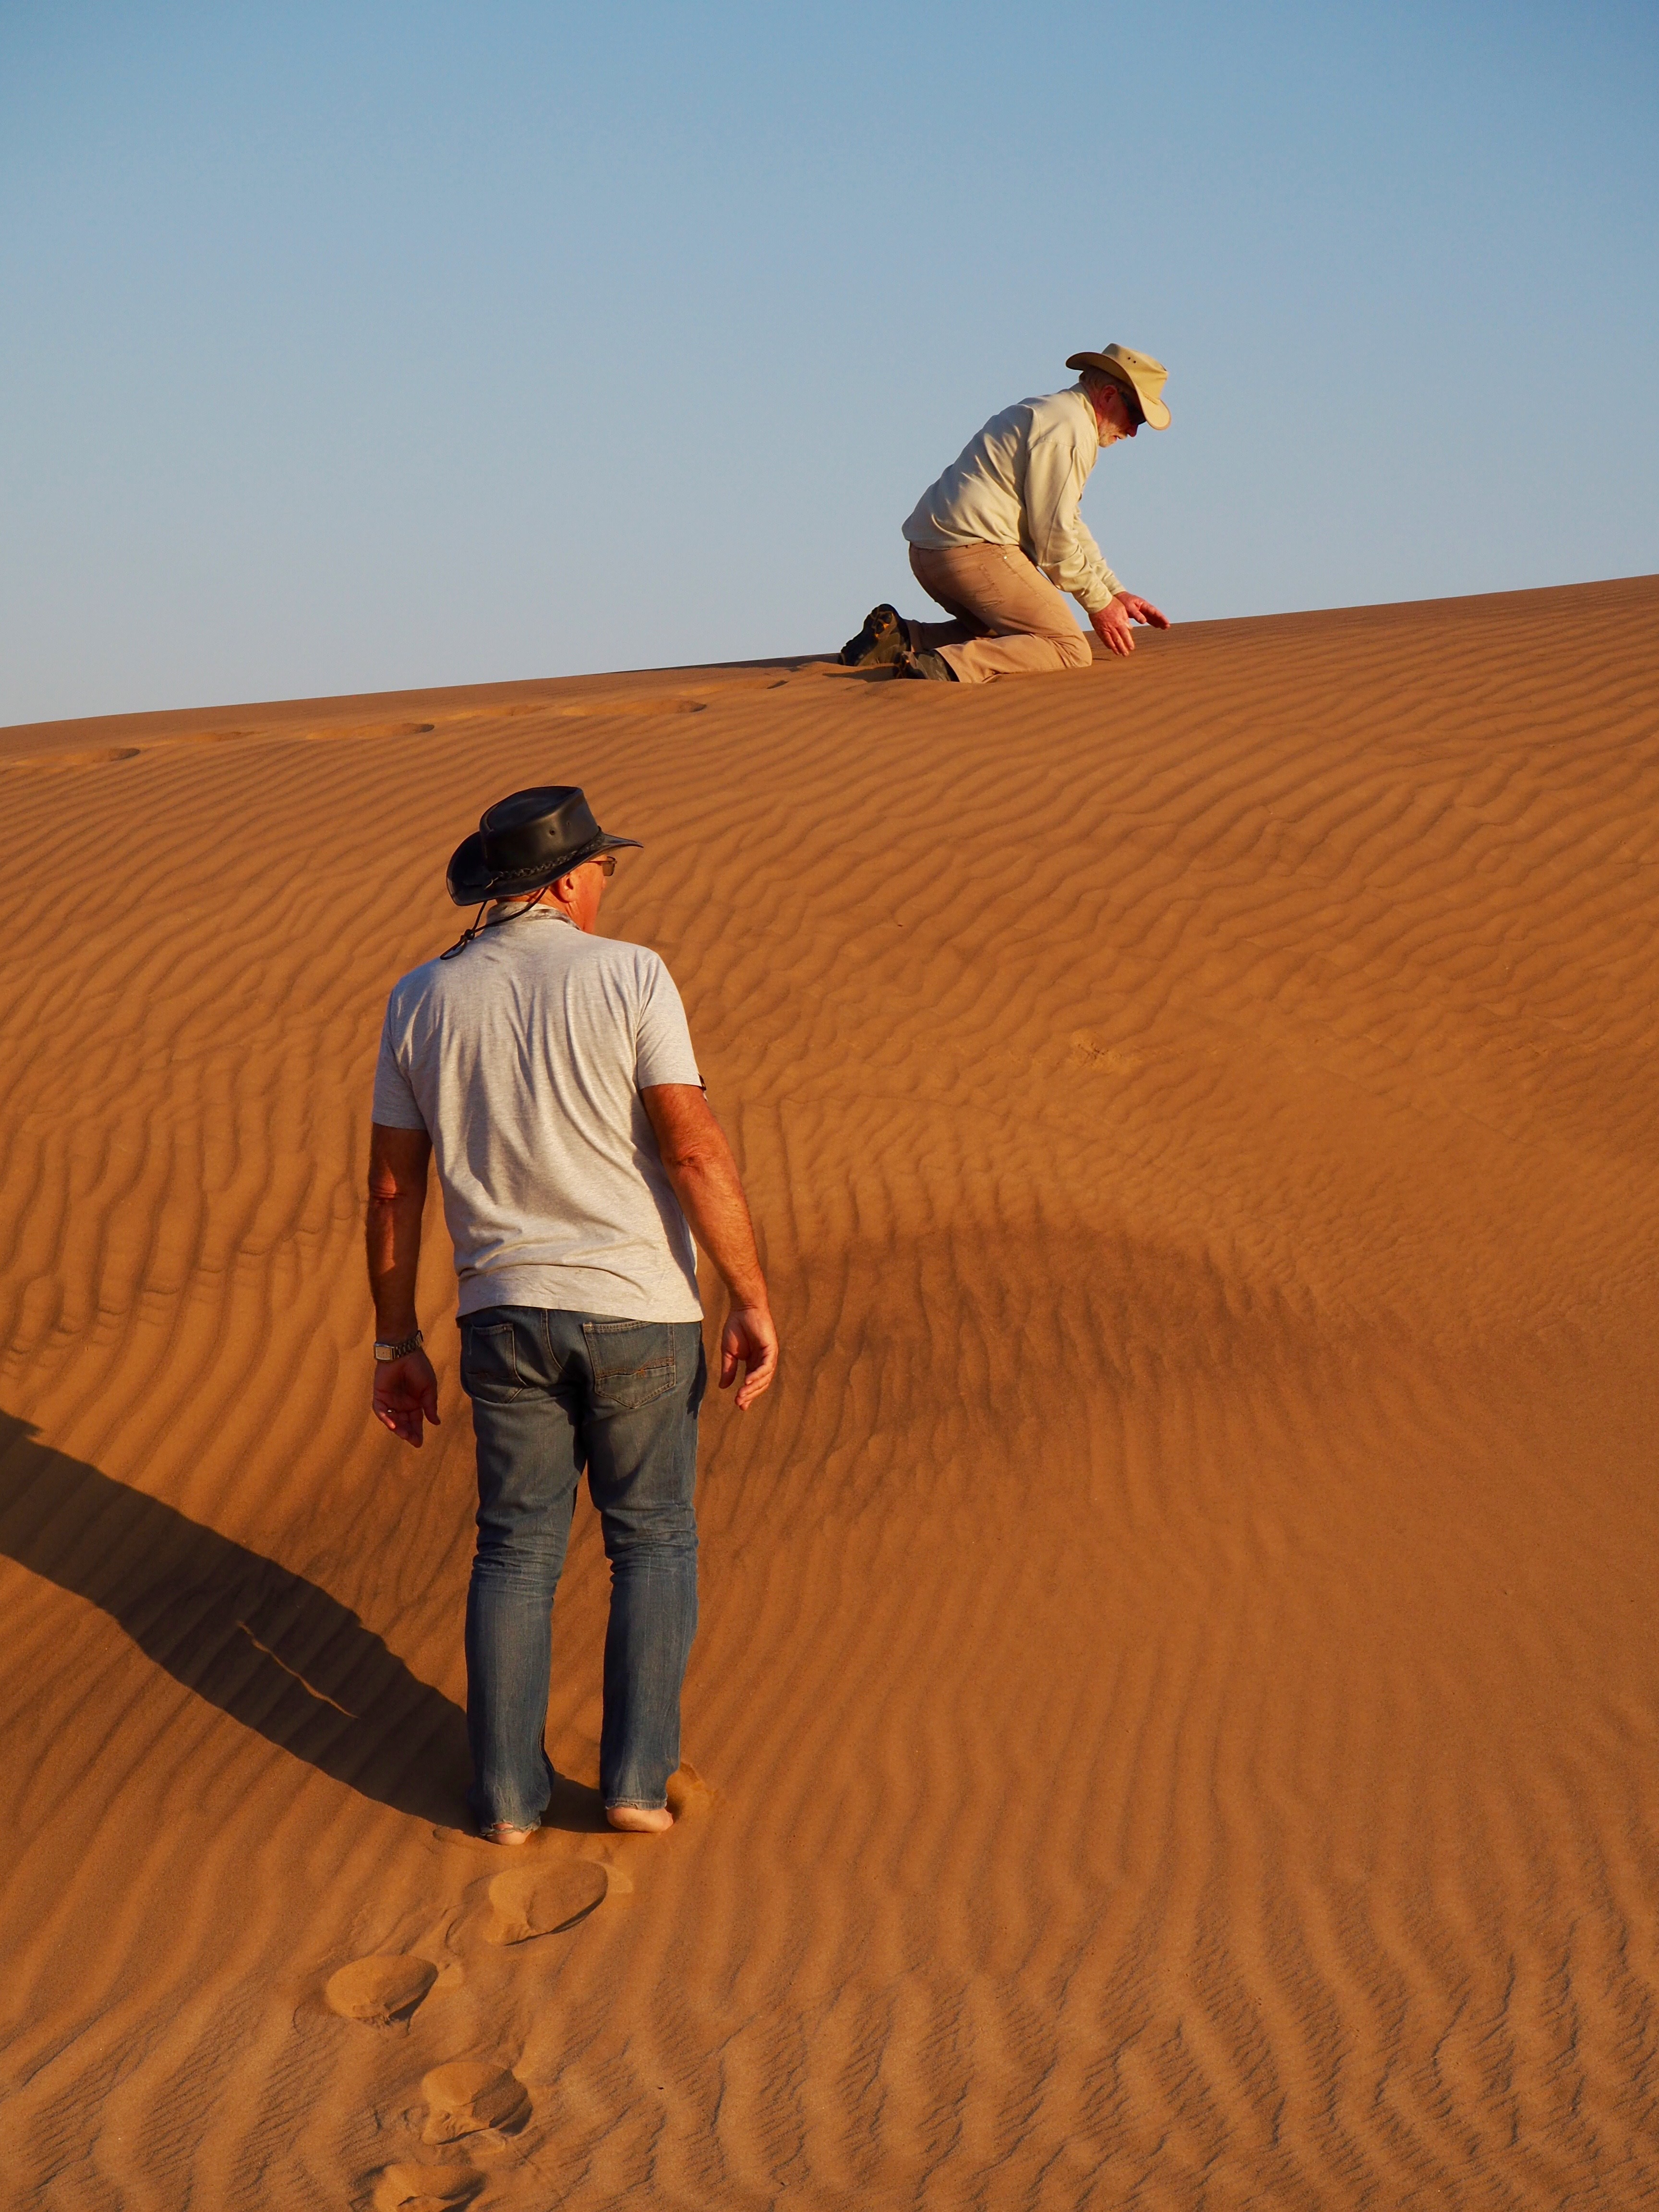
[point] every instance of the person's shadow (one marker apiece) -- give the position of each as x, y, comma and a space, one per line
266, 1646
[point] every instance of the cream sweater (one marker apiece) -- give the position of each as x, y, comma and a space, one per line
1018, 484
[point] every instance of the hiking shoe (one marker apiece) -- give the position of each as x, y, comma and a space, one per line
882, 638
926, 667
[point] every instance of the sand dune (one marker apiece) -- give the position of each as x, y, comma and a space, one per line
1174, 1716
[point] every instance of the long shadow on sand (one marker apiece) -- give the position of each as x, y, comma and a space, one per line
266, 1646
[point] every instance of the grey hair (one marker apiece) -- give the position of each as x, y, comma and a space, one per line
1097, 382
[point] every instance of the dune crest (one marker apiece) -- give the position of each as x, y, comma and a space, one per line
1174, 1715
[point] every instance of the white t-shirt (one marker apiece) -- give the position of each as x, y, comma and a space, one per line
524, 1058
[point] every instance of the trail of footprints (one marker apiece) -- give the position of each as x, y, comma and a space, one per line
545, 1891
598, 708
102, 756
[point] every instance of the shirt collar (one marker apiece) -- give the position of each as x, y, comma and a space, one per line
512, 910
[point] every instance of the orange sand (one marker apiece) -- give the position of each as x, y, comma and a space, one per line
1177, 1694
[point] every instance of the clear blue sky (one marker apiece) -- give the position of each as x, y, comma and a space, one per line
349, 347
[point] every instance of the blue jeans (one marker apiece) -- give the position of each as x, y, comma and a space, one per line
553, 1393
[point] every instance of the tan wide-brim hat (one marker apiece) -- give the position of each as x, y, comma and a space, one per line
1148, 377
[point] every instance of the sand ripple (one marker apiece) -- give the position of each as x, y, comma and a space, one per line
1176, 1677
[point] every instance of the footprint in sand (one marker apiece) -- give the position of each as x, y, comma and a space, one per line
689, 1795
424, 2188
1091, 1051
101, 758
382, 1988
618, 1882
469, 2098
541, 1900
103, 755
370, 730
590, 709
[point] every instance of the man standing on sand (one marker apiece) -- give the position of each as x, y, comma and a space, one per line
999, 538
552, 1071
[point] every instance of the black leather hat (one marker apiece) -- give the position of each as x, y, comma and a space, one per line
525, 842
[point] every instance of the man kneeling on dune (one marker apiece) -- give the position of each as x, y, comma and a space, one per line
552, 1071
999, 538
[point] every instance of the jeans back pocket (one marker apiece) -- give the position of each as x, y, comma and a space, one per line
490, 1360
632, 1363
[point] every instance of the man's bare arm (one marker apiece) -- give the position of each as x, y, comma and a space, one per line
405, 1390
700, 1166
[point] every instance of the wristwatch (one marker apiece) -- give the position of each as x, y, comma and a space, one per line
401, 1350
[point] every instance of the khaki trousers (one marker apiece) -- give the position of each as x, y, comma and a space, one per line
1010, 620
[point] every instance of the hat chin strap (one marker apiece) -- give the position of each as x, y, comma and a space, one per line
477, 927
497, 892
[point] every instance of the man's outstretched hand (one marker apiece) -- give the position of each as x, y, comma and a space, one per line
1110, 623
406, 1394
749, 1340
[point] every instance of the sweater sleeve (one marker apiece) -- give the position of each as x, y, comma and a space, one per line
1061, 544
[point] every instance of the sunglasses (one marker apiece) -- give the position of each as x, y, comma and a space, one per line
607, 861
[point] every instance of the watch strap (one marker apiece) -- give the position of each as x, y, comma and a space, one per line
385, 1349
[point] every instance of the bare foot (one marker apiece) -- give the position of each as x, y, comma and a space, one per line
640, 1819
499, 1832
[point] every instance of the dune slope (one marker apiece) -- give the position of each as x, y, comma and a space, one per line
1177, 1702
